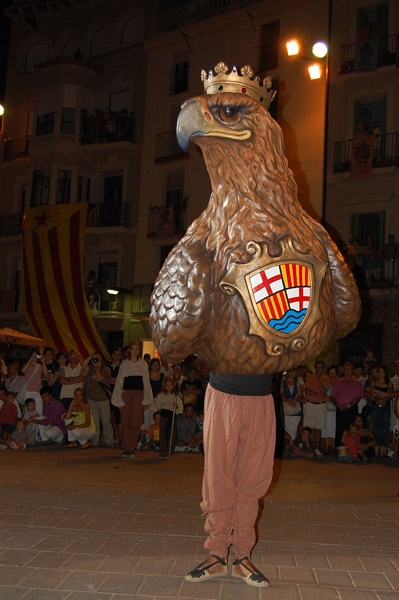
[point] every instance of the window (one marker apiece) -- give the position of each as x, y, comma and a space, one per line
180, 75
36, 54
83, 191
270, 37
165, 250
364, 225
175, 199
113, 188
45, 124
63, 186
111, 209
107, 272
68, 116
40, 187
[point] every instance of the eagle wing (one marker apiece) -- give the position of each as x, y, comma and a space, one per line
180, 293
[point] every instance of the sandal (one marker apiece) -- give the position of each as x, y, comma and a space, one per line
201, 573
254, 577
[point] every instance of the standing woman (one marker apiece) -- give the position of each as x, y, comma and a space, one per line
34, 370
132, 394
380, 410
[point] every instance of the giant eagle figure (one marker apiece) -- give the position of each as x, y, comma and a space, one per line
256, 285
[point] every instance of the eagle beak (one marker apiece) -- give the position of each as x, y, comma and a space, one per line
193, 120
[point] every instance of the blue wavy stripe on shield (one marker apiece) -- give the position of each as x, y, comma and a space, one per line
289, 321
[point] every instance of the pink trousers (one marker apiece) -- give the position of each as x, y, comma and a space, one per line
239, 442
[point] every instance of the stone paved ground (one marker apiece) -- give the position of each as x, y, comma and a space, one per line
87, 525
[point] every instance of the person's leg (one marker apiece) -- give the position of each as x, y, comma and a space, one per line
254, 468
95, 411
105, 418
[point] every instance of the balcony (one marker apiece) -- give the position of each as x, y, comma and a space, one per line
191, 12
108, 215
107, 131
18, 148
99, 300
165, 221
8, 301
374, 271
141, 295
10, 224
369, 55
167, 148
387, 156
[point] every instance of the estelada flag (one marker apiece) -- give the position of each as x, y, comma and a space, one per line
52, 287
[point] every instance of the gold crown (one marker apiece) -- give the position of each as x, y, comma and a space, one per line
218, 80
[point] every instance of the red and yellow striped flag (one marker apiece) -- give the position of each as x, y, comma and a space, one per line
52, 278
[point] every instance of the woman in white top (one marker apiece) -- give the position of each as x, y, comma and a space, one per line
132, 393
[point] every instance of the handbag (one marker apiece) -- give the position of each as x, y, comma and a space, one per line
106, 389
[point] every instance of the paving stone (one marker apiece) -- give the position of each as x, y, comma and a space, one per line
323, 533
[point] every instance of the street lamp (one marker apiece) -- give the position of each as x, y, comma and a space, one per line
319, 51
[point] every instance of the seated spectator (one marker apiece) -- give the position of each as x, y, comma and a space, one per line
52, 428
351, 439
79, 421
191, 388
167, 403
195, 442
31, 423
301, 446
19, 439
151, 439
186, 428
8, 416
367, 439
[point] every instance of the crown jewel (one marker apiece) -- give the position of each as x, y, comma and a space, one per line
219, 80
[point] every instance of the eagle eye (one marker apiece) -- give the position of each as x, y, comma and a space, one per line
229, 114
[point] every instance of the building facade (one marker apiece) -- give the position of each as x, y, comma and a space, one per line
93, 93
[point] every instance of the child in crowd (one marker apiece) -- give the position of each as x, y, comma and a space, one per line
195, 442
154, 433
30, 414
301, 445
166, 403
19, 436
8, 416
351, 439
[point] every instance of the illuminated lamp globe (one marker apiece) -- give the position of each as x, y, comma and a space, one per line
1, 110
319, 49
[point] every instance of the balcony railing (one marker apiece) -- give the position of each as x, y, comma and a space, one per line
167, 147
106, 131
17, 148
164, 221
192, 12
373, 270
108, 215
386, 47
8, 301
141, 299
385, 155
10, 224
99, 300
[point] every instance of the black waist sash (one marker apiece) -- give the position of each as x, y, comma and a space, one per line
242, 385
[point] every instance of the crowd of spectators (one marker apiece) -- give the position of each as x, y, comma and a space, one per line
350, 412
